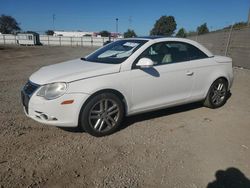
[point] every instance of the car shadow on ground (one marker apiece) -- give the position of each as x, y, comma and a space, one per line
128, 121
163, 112
72, 129
229, 178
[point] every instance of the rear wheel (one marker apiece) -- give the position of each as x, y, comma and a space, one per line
217, 94
102, 115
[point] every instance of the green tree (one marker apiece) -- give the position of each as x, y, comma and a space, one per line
50, 32
202, 29
104, 33
8, 24
181, 33
165, 26
129, 33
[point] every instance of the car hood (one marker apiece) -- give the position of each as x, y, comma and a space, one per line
72, 70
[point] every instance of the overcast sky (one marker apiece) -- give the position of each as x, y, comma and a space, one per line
37, 15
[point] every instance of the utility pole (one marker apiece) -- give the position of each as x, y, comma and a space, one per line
116, 25
229, 38
53, 19
211, 28
248, 20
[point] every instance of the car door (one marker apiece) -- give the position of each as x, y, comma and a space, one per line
202, 66
167, 83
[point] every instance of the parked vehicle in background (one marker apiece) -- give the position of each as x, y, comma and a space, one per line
124, 78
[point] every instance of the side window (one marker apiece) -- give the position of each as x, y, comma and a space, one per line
159, 53
156, 53
171, 52
178, 51
166, 53
194, 53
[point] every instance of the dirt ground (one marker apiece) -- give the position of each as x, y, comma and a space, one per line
188, 146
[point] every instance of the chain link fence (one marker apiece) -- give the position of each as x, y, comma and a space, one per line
234, 43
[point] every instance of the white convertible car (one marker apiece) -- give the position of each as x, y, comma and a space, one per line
123, 78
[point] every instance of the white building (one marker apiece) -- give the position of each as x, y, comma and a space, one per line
84, 33
73, 33
27, 39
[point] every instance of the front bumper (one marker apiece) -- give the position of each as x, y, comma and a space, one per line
52, 112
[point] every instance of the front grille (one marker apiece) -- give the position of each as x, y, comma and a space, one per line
25, 101
29, 88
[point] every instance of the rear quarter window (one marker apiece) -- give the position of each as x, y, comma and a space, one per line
195, 53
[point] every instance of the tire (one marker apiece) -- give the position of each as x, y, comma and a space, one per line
102, 115
217, 94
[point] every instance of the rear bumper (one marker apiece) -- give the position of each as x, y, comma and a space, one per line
52, 112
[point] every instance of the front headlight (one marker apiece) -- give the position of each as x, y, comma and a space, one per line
52, 91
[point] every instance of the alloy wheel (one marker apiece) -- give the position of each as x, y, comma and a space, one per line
218, 93
104, 115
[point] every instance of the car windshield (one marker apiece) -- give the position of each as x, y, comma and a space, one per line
116, 52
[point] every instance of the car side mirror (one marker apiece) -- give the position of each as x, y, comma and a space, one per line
145, 63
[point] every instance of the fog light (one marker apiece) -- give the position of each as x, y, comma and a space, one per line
44, 116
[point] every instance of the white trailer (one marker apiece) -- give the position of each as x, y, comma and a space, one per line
27, 39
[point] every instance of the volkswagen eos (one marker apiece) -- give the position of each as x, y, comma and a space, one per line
123, 78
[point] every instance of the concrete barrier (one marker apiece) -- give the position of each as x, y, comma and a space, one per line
59, 40
8, 39
234, 43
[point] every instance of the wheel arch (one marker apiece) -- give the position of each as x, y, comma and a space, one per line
113, 91
221, 77
213, 80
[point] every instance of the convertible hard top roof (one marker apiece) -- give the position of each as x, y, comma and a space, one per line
151, 37
164, 38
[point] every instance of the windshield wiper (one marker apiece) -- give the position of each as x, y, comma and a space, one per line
83, 58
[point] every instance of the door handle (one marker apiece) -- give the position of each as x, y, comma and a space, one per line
189, 73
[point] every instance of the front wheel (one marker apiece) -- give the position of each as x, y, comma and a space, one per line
217, 94
102, 115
